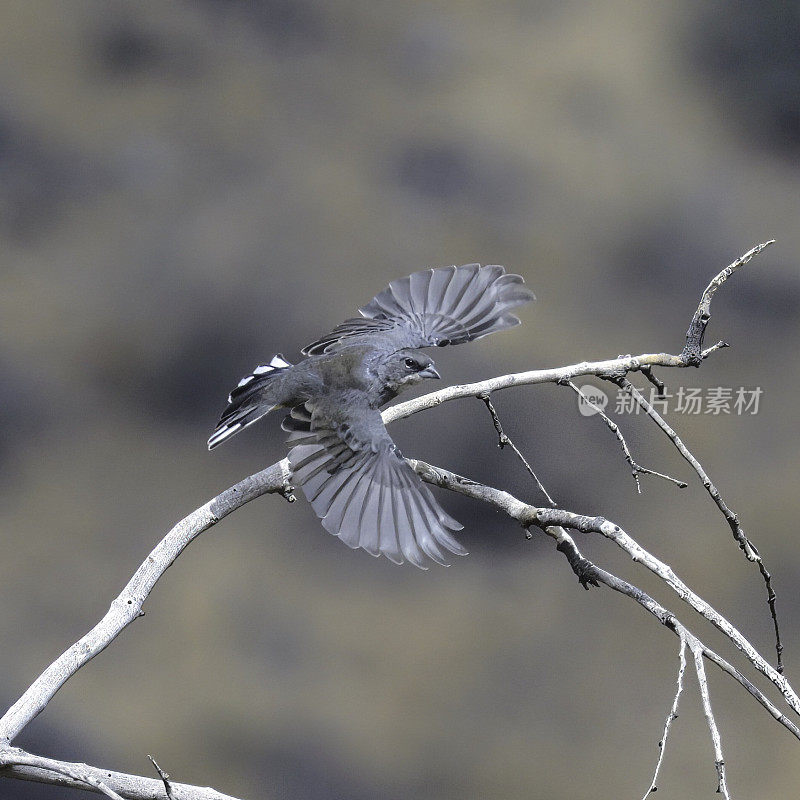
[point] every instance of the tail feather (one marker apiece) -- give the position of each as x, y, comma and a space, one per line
247, 402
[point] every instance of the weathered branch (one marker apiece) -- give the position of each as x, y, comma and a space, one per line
588, 573
81, 775
128, 605
551, 520
585, 570
719, 761
125, 609
274, 479
617, 371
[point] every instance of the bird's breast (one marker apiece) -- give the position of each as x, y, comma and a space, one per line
344, 371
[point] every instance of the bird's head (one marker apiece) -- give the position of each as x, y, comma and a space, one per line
405, 368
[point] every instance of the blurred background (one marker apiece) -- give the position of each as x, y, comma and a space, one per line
187, 188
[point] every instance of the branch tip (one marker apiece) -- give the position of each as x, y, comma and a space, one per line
693, 353
164, 778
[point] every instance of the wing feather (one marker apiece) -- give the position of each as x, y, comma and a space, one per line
348, 499
421, 522
447, 305
361, 488
390, 547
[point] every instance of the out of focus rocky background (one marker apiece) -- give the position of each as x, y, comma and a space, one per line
187, 188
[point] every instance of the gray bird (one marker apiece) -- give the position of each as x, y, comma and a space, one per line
340, 452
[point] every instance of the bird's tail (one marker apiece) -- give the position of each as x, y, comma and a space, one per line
256, 395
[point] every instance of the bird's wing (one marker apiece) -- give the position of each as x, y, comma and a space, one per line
447, 305
361, 487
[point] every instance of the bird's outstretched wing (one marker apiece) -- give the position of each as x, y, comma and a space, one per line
447, 305
361, 487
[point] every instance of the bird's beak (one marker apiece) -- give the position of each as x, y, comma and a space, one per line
429, 372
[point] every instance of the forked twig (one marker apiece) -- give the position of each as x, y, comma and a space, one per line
719, 762
654, 379
671, 717
636, 469
693, 352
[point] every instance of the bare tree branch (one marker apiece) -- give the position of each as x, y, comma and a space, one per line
124, 609
552, 520
621, 365
665, 572
617, 370
693, 350
273, 479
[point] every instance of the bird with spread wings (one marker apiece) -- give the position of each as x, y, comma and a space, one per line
340, 452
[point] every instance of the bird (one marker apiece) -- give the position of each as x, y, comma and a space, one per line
340, 453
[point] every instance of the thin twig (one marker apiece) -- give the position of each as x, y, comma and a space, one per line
734, 673
503, 440
719, 762
745, 544
713, 349
636, 469
164, 777
671, 716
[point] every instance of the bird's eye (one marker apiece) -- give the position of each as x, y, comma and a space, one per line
410, 363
